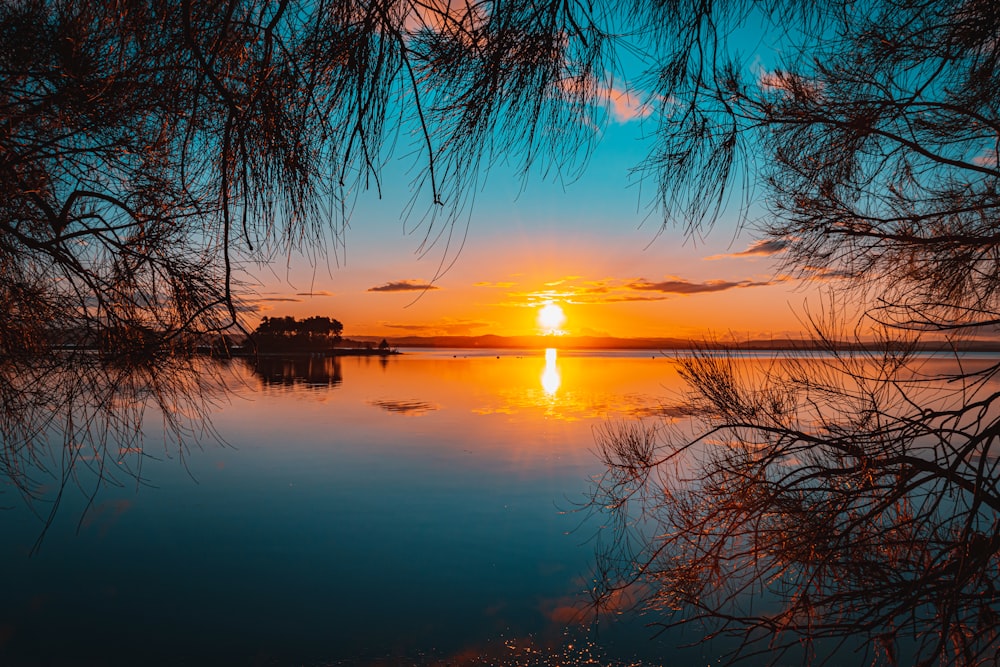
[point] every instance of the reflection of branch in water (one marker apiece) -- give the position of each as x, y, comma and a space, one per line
74, 419
822, 504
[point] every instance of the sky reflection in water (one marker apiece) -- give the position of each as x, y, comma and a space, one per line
414, 508
406, 510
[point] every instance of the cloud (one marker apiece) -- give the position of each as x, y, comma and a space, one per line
986, 159
681, 286
761, 248
405, 327
674, 285
630, 290
316, 293
625, 106
404, 286
286, 299
622, 299
789, 83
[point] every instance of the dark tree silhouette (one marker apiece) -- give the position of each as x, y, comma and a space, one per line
289, 334
848, 502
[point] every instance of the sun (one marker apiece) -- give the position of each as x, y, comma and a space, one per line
551, 317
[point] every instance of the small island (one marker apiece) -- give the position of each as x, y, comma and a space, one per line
313, 335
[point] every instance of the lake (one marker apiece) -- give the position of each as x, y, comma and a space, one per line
420, 509
415, 509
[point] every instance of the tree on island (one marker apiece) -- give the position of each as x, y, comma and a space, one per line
288, 334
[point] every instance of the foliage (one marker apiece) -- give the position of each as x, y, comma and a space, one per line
287, 333
873, 143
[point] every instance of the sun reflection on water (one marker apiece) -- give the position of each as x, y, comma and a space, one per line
550, 376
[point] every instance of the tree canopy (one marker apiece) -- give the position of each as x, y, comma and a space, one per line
287, 333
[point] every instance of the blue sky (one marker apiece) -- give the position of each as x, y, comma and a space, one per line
592, 244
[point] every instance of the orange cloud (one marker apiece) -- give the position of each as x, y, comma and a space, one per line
625, 106
486, 283
624, 299
674, 285
986, 159
404, 286
622, 291
790, 84
458, 18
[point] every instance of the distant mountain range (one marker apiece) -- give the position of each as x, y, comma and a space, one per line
490, 341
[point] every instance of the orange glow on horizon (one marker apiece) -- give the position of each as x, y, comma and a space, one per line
516, 303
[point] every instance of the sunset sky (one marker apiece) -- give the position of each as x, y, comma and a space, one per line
591, 244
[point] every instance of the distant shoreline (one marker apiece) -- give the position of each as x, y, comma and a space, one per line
328, 352
493, 342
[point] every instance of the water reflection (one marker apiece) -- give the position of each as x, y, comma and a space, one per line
574, 386
338, 490
852, 503
404, 407
310, 371
76, 422
550, 376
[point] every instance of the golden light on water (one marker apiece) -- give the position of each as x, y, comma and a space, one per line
551, 317
550, 376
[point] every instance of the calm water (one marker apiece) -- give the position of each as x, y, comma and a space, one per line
414, 510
